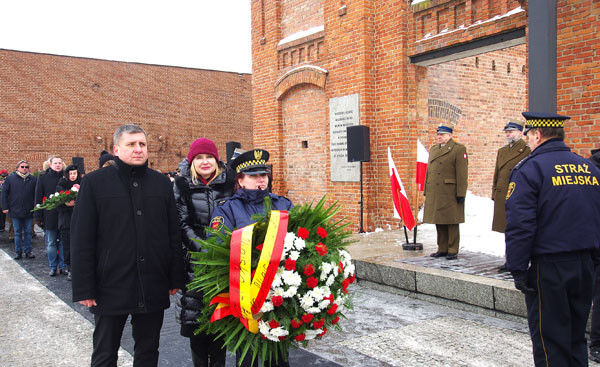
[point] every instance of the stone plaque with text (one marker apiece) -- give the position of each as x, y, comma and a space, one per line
343, 112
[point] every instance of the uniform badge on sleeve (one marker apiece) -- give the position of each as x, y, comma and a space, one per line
465, 156
511, 189
217, 222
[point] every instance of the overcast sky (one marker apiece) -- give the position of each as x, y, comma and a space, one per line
204, 34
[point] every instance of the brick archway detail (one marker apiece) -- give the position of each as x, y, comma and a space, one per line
306, 74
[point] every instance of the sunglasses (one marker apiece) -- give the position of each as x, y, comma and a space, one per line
24, 167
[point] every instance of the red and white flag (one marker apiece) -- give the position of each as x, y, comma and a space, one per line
401, 205
422, 159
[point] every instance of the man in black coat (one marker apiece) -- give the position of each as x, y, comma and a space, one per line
17, 201
126, 250
48, 219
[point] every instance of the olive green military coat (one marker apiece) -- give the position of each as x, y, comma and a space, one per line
507, 159
446, 179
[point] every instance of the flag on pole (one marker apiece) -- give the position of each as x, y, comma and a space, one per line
422, 159
401, 205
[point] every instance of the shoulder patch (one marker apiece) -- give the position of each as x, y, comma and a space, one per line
217, 222
511, 189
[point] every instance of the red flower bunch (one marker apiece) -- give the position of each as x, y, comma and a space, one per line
321, 249
278, 301
309, 270
332, 309
290, 264
307, 317
303, 233
322, 232
296, 324
312, 282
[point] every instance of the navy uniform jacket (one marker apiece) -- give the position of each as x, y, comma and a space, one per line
236, 211
552, 205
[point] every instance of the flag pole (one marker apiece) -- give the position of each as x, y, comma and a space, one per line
415, 246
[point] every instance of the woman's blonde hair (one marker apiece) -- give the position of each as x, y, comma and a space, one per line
194, 174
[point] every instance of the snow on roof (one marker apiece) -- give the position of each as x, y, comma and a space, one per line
462, 26
301, 34
415, 2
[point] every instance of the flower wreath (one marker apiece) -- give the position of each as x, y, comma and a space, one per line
291, 287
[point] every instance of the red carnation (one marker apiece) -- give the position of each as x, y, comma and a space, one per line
44, 199
282, 338
341, 266
300, 337
296, 324
336, 320
322, 232
307, 318
259, 247
321, 249
345, 285
332, 309
312, 282
61, 191
352, 278
303, 233
318, 324
264, 337
273, 324
290, 264
330, 298
67, 192
309, 270
324, 332
277, 301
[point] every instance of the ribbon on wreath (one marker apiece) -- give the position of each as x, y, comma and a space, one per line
248, 293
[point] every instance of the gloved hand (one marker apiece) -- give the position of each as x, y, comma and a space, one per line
460, 199
520, 278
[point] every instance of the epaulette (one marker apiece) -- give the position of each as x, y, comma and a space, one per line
222, 201
521, 162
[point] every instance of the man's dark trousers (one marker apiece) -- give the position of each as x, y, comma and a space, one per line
595, 332
558, 313
146, 335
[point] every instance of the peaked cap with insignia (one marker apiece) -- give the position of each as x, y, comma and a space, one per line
537, 119
252, 162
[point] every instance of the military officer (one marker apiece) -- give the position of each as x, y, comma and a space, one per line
508, 157
552, 237
445, 191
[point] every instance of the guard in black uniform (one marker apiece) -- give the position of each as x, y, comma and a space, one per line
552, 237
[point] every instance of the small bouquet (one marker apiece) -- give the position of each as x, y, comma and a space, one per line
57, 199
279, 282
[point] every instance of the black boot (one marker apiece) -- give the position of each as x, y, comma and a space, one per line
19, 256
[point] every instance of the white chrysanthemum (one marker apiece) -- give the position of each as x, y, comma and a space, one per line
311, 334
277, 292
306, 301
299, 244
324, 303
313, 310
294, 255
263, 327
318, 293
336, 269
330, 280
291, 278
279, 331
266, 307
291, 292
272, 337
277, 280
345, 255
288, 242
348, 270
326, 268
74, 188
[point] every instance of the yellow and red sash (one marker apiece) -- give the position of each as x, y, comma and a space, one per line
247, 294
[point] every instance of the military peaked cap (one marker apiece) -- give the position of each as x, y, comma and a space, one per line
252, 162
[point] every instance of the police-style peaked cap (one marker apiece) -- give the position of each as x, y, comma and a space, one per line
252, 162
514, 125
537, 119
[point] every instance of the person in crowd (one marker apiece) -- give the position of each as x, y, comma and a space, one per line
445, 191
595, 330
105, 159
18, 194
3, 176
508, 157
48, 219
552, 239
204, 180
126, 250
71, 177
251, 187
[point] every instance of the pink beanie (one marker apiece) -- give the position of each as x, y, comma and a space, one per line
202, 146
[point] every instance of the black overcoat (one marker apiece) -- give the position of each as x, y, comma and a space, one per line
125, 240
46, 186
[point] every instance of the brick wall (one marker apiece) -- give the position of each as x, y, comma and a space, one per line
578, 72
71, 106
300, 15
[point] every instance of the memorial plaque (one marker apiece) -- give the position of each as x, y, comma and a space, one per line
343, 112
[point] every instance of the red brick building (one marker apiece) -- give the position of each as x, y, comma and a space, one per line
413, 65
71, 106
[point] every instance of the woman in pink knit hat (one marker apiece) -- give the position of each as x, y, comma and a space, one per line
204, 180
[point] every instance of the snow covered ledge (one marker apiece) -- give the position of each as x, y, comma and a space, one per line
303, 74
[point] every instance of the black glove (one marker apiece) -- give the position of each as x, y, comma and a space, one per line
460, 199
520, 278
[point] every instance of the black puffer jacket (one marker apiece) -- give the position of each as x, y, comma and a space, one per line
195, 204
65, 212
46, 186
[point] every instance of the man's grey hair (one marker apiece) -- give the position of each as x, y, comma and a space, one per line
127, 129
21, 161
